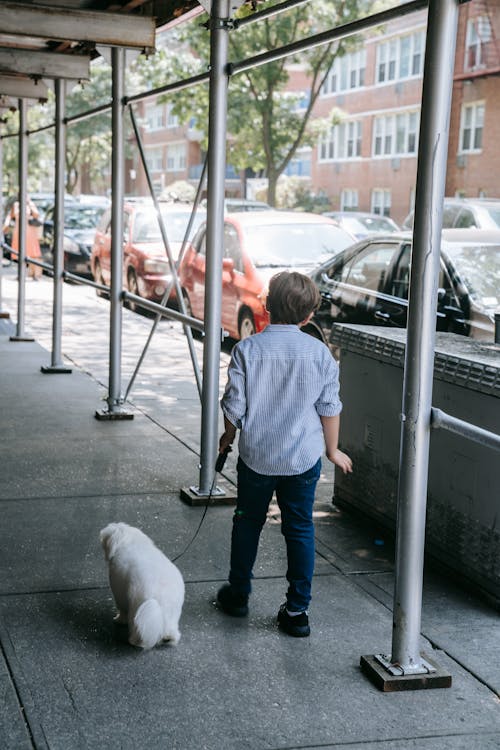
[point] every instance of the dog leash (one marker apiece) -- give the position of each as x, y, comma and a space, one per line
219, 465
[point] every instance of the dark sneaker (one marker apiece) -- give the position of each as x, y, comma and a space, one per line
298, 626
232, 603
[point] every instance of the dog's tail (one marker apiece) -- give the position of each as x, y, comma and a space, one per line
147, 628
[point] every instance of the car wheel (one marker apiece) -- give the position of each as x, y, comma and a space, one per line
246, 326
99, 279
133, 288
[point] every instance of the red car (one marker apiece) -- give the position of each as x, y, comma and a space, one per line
146, 271
257, 245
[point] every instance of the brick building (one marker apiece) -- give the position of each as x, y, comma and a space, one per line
368, 160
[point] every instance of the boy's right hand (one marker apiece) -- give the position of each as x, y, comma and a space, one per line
342, 460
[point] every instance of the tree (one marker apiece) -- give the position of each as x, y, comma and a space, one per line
88, 141
267, 122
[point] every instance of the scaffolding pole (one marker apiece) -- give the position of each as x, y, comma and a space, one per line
56, 364
22, 223
2, 313
114, 399
407, 668
217, 125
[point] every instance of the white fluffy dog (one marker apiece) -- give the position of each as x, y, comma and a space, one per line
147, 587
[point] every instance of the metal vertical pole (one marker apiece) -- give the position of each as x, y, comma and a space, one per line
57, 365
2, 314
22, 223
219, 41
406, 659
114, 398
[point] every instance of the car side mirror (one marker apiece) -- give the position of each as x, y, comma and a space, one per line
441, 295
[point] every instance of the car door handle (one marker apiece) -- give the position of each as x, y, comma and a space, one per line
382, 316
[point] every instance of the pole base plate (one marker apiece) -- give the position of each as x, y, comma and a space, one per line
55, 370
21, 338
390, 683
4, 315
223, 494
105, 415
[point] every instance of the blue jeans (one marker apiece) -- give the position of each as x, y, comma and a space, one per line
295, 496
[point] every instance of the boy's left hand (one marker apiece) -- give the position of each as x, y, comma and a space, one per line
342, 460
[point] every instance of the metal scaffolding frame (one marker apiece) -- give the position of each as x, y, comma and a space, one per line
406, 667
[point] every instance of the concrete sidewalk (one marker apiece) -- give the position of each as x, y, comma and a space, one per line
69, 683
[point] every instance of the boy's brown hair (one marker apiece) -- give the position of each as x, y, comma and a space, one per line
291, 297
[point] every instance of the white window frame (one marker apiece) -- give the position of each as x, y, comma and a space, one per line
349, 200
176, 157
172, 120
478, 35
154, 158
155, 117
395, 135
342, 142
346, 74
392, 55
381, 201
474, 124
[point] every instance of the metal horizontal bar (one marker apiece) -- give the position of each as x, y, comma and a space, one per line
23, 88
268, 13
444, 421
184, 83
339, 32
100, 27
84, 281
44, 64
167, 312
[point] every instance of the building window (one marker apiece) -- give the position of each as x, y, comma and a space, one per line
400, 58
154, 117
172, 120
346, 73
349, 200
471, 128
396, 135
381, 202
176, 157
154, 159
300, 165
343, 141
477, 38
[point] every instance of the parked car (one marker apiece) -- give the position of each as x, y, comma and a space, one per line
146, 270
41, 200
235, 205
95, 200
258, 244
465, 213
362, 224
369, 283
80, 222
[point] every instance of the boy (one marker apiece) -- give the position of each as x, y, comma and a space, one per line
283, 395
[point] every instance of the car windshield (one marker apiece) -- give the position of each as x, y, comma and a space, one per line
82, 218
378, 224
354, 225
494, 212
478, 267
276, 245
147, 228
